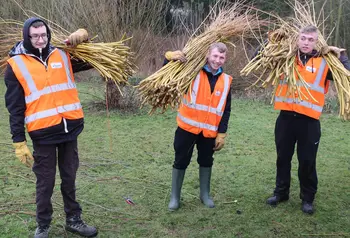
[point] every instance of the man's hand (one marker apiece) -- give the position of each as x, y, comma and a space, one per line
77, 37
332, 49
23, 153
175, 55
219, 141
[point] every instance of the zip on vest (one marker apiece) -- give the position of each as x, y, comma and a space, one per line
40, 58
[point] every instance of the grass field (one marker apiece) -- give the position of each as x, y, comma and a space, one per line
131, 155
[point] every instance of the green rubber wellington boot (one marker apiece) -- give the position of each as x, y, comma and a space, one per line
177, 180
204, 181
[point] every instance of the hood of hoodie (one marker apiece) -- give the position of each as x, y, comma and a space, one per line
313, 53
306, 57
25, 46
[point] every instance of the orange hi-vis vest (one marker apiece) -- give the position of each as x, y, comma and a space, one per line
201, 110
50, 90
314, 73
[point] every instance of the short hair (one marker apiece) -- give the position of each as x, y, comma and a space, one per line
37, 24
309, 29
222, 48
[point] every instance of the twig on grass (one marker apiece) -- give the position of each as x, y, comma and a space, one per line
20, 176
278, 223
17, 212
330, 234
105, 179
17, 204
97, 205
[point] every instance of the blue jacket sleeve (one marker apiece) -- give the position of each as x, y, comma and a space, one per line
15, 104
345, 61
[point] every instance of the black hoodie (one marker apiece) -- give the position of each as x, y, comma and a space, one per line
15, 100
26, 39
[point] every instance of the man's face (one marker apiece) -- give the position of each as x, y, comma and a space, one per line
307, 42
216, 59
38, 36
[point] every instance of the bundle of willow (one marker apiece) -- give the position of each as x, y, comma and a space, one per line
165, 87
278, 59
113, 60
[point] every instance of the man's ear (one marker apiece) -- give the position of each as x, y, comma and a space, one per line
207, 56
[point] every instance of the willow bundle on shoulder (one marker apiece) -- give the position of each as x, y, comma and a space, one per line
113, 60
278, 57
165, 87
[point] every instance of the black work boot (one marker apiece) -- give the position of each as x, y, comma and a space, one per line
274, 200
307, 207
176, 184
42, 232
76, 225
204, 184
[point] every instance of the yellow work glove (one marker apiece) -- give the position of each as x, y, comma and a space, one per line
77, 37
219, 141
23, 153
175, 55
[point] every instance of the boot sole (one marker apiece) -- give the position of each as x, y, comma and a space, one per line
276, 203
307, 212
173, 209
77, 232
207, 204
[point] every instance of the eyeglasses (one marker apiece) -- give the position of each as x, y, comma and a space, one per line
37, 37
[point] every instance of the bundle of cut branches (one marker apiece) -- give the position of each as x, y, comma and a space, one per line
165, 87
277, 58
113, 60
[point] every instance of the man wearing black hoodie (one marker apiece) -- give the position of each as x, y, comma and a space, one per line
298, 122
41, 94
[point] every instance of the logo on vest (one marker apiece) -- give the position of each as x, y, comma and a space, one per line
56, 65
310, 69
217, 93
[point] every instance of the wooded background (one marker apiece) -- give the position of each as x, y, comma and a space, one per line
160, 25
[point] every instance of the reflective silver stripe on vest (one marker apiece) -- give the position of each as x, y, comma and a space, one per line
24, 71
316, 85
201, 107
314, 107
66, 65
52, 112
224, 94
50, 89
195, 89
34, 92
298, 83
219, 110
197, 124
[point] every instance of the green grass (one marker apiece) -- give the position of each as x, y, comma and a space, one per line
132, 154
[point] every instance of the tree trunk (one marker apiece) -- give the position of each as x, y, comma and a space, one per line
336, 41
331, 18
113, 95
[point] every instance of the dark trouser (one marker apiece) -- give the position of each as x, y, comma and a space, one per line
294, 128
184, 143
45, 157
